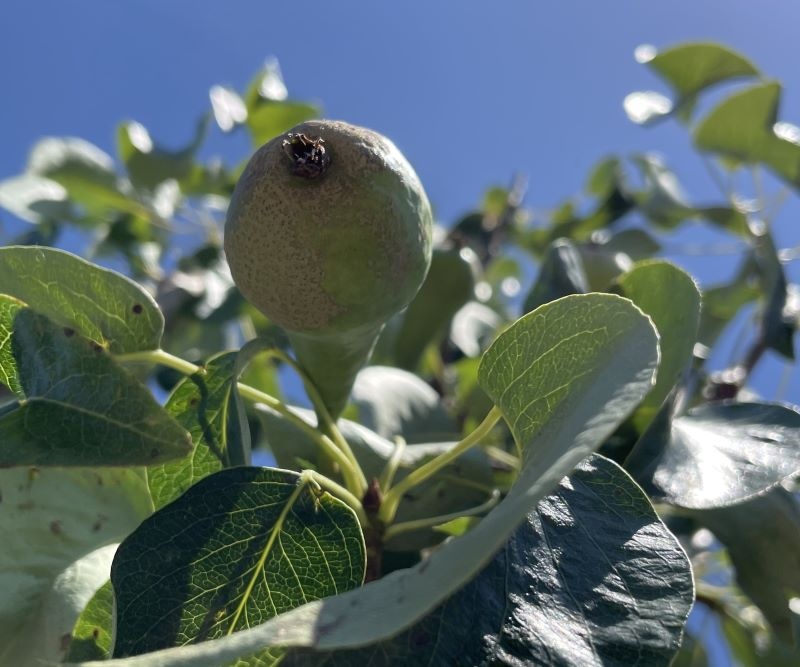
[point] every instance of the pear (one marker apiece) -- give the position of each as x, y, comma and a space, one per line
328, 233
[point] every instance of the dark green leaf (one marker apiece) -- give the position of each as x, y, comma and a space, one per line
722, 302
565, 376
85, 171
745, 127
239, 547
450, 283
34, 198
80, 407
719, 454
670, 297
92, 634
103, 305
581, 582
149, 164
561, 273
777, 330
762, 536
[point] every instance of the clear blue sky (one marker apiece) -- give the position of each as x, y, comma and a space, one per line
472, 91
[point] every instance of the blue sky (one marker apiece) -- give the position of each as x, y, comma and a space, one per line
471, 91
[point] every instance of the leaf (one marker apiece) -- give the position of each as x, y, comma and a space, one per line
721, 303
646, 106
393, 402
450, 283
9, 374
80, 407
149, 164
777, 329
586, 360
46, 634
762, 536
85, 171
271, 118
636, 243
691, 68
200, 403
718, 455
473, 327
92, 636
34, 198
580, 582
49, 519
459, 486
239, 547
743, 127
103, 305
228, 107
671, 298
560, 274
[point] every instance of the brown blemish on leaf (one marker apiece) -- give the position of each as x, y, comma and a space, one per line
96, 347
55, 527
69, 333
137, 309
154, 453
95, 633
65, 641
27, 505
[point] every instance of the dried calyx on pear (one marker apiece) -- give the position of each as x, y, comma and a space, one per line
329, 234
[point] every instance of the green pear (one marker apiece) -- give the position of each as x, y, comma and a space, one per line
328, 233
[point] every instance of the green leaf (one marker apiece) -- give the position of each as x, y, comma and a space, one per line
762, 536
49, 519
450, 283
718, 454
103, 305
393, 402
80, 407
473, 328
239, 547
92, 636
270, 118
778, 330
721, 303
46, 633
459, 486
580, 582
9, 374
691, 68
149, 164
200, 404
586, 361
34, 199
635, 243
671, 298
560, 274
745, 127
85, 171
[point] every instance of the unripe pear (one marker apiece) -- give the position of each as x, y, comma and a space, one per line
329, 234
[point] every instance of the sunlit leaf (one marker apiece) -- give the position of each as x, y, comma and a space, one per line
80, 407
92, 635
34, 198
671, 298
743, 127
103, 305
241, 546
581, 582
718, 455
